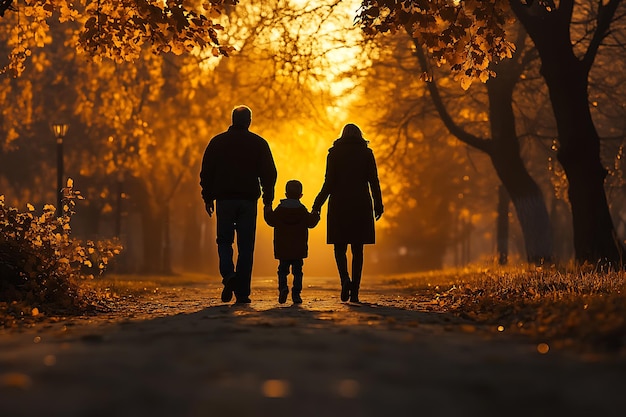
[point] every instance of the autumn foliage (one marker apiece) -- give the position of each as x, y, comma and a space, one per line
116, 29
41, 263
466, 35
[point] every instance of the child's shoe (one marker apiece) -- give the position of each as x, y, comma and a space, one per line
295, 296
282, 295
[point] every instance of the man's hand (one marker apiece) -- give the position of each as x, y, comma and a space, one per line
210, 208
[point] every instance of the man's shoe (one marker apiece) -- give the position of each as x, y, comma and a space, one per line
227, 292
345, 290
243, 300
295, 296
354, 297
282, 295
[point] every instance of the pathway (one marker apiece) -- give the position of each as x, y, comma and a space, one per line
184, 353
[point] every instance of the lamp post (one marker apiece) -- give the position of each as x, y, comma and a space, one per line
60, 129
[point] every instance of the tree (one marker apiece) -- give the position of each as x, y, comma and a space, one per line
498, 140
503, 149
436, 189
469, 36
565, 66
147, 122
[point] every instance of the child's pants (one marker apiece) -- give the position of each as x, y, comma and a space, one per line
296, 270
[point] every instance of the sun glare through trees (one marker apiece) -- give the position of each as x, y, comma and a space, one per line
463, 162
145, 85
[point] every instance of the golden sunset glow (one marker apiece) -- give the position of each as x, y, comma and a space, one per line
145, 116
475, 208
300, 153
328, 42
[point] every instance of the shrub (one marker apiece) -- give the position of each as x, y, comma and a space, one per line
41, 263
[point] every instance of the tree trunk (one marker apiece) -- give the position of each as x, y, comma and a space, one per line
525, 194
192, 238
579, 154
119, 192
502, 226
166, 265
566, 76
152, 227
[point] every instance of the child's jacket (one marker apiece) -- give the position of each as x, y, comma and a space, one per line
291, 222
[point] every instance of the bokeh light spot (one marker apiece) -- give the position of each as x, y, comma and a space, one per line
543, 348
15, 380
49, 360
348, 388
275, 388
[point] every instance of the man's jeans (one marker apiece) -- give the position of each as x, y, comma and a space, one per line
239, 216
296, 270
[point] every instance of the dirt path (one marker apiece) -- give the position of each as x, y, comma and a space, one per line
184, 353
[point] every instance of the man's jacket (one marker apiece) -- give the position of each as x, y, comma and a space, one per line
238, 165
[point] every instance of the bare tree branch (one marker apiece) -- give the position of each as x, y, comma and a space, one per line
464, 136
606, 12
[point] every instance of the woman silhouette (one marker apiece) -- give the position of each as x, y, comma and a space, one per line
351, 183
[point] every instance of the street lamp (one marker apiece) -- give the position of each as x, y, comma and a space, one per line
60, 129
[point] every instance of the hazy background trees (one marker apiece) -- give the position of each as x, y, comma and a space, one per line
138, 129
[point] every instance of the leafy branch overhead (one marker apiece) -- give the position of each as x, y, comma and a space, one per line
467, 35
118, 29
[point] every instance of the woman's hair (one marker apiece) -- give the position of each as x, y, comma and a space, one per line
351, 131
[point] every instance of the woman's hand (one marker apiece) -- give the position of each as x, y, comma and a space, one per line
378, 212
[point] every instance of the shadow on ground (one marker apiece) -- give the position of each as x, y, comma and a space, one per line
189, 355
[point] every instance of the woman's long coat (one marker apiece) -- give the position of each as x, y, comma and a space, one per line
351, 185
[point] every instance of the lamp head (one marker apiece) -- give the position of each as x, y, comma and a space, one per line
60, 129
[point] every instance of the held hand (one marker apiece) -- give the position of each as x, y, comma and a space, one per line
210, 208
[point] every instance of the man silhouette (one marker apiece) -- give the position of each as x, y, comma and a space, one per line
237, 169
